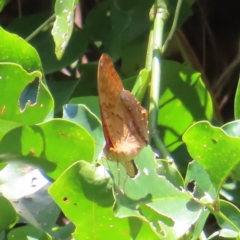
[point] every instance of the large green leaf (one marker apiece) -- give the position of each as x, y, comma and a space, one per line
88, 194
81, 114
14, 49
17, 105
184, 100
217, 152
52, 146
175, 208
116, 23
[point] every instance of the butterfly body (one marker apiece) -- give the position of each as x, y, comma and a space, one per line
124, 120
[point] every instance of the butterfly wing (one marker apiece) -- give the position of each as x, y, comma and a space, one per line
124, 120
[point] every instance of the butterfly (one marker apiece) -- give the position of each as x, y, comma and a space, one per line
124, 120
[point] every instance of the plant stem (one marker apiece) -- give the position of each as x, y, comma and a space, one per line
222, 216
153, 63
39, 29
174, 25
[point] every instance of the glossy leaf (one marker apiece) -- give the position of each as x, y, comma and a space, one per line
16, 106
52, 146
22, 53
182, 90
87, 189
216, 151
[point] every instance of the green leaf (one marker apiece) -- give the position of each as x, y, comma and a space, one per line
74, 50
81, 115
38, 209
22, 53
199, 225
237, 102
202, 181
141, 84
231, 191
115, 24
88, 81
157, 193
26, 25
216, 151
182, 90
3, 3
52, 146
19, 180
228, 234
61, 88
83, 188
16, 105
184, 12
231, 216
171, 173
63, 25
28, 232
8, 216
233, 129
90, 102
44, 44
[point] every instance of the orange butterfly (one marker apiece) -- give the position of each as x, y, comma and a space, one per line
124, 120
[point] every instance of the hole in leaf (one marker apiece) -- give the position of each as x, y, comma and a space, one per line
29, 94
191, 186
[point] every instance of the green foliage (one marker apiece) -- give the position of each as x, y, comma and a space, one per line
51, 137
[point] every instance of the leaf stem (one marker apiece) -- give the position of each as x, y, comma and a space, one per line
39, 29
153, 63
174, 25
222, 216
